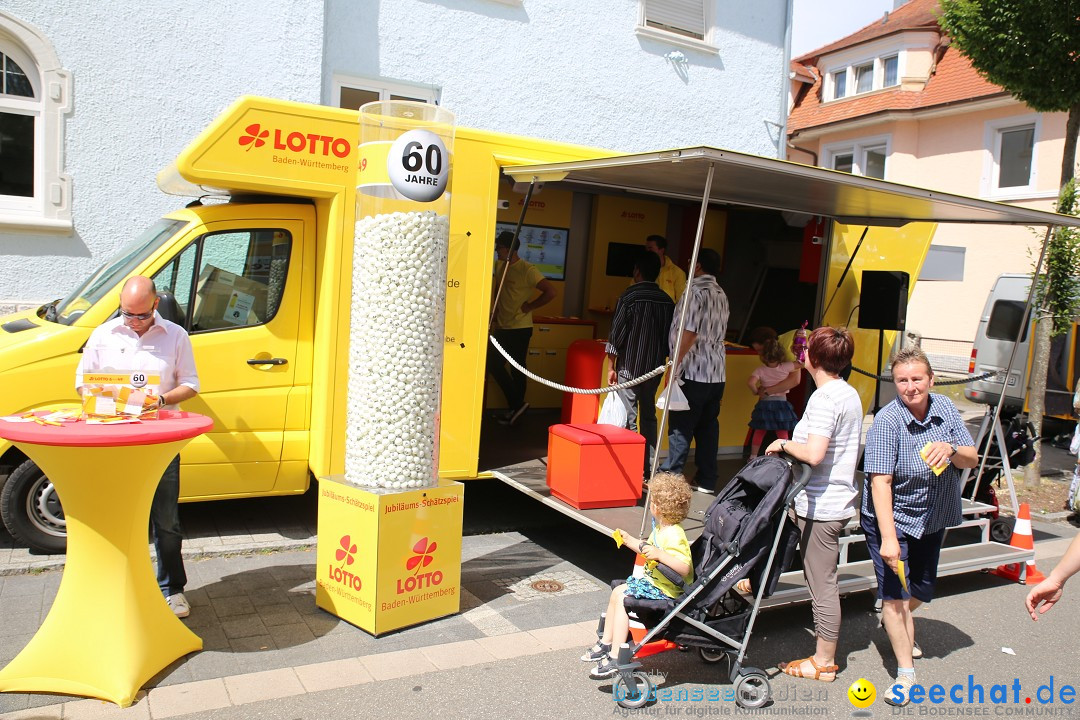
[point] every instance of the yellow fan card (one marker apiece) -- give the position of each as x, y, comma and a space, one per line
923, 453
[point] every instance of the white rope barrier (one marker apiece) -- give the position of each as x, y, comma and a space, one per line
578, 391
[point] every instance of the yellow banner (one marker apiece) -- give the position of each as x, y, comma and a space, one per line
373, 167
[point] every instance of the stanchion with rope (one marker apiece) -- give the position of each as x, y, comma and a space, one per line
566, 388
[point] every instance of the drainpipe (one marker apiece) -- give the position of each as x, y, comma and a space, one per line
789, 12
811, 153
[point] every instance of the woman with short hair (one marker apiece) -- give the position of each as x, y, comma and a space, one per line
914, 453
827, 439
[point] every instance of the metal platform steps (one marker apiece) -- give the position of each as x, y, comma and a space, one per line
854, 575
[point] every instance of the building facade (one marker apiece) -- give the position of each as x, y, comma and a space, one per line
895, 101
98, 98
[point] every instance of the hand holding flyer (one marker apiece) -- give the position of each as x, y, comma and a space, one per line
937, 469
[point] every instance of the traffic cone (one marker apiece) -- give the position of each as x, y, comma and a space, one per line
637, 630
1022, 539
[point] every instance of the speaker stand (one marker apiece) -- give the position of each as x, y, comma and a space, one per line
877, 373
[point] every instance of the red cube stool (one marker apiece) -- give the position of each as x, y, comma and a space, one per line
595, 466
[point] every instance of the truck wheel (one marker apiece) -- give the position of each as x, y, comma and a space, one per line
31, 510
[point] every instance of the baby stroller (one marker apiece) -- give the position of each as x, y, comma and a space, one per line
742, 531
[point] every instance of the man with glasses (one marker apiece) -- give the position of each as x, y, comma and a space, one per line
142, 341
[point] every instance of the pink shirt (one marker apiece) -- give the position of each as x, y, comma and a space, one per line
772, 375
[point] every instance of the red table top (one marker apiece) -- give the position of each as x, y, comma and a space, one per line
169, 426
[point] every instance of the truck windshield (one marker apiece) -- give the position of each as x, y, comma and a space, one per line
108, 275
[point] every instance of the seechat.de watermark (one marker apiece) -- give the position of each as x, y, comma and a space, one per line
974, 699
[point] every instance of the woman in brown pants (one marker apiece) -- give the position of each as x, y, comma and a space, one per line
827, 438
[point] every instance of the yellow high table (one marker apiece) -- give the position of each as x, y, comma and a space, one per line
109, 629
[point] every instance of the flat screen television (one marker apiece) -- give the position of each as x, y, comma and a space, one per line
544, 247
621, 258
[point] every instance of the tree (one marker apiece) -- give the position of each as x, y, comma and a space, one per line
1032, 49
1029, 47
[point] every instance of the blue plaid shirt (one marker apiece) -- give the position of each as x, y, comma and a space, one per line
923, 503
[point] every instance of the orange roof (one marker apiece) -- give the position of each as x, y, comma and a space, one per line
952, 80
914, 15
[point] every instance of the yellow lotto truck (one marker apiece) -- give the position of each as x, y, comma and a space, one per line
258, 267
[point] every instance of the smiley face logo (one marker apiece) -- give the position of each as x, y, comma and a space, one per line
862, 693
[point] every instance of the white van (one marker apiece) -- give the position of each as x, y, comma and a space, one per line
998, 328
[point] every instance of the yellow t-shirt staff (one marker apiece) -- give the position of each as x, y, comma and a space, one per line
512, 322
672, 279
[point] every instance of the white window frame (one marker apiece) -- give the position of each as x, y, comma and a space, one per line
992, 167
857, 149
881, 65
872, 71
851, 81
705, 45
833, 83
385, 88
50, 207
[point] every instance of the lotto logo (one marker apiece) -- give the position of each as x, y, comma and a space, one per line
256, 136
346, 556
346, 551
296, 142
421, 558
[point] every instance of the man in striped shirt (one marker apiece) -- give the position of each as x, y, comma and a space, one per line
638, 344
700, 363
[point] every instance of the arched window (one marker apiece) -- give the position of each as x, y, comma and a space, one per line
19, 114
35, 94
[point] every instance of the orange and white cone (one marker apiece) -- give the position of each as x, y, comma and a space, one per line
637, 629
1021, 538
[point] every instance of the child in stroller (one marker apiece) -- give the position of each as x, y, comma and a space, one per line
741, 536
667, 545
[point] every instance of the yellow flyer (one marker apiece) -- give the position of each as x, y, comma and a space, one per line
118, 393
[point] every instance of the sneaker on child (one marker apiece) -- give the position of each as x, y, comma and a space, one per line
596, 653
604, 669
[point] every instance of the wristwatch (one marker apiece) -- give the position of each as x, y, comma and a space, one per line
783, 444
161, 401
954, 448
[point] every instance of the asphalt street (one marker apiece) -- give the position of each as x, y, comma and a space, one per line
976, 628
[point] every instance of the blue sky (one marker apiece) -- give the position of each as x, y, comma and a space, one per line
820, 22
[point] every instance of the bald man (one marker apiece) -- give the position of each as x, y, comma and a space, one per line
140, 340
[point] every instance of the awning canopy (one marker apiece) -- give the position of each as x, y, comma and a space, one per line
760, 182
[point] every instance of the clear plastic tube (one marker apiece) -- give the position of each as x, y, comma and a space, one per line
399, 295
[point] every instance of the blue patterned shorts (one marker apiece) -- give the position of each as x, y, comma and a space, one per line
643, 588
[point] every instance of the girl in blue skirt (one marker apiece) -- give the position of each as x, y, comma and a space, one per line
773, 412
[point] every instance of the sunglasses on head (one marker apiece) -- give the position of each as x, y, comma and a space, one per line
137, 316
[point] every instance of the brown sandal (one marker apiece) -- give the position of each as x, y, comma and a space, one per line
794, 669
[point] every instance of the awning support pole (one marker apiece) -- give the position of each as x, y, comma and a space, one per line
674, 372
844, 274
506, 265
1024, 321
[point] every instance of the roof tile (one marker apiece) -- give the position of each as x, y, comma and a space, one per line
952, 80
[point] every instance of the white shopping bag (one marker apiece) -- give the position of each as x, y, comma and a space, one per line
613, 411
678, 400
